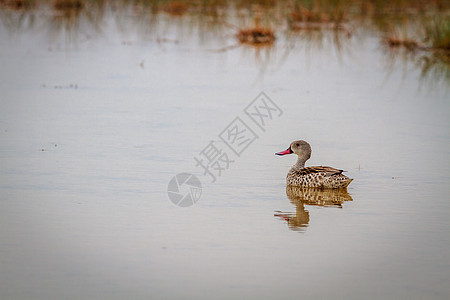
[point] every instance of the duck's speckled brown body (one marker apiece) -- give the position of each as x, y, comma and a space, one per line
317, 177
312, 177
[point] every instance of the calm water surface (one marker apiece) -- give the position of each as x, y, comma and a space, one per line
93, 127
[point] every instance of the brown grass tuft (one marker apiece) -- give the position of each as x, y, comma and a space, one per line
17, 4
395, 42
256, 36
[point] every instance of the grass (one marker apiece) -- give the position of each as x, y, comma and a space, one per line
176, 8
66, 5
429, 21
320, 11
405, 43
408, 28
428, 34
17, 4
256, 36
437, 33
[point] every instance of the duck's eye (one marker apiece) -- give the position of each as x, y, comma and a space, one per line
297, 145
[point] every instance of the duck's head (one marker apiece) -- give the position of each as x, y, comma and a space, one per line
301, 148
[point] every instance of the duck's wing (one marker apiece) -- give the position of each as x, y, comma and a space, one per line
329, 171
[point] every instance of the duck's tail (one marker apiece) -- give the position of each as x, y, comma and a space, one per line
346, 183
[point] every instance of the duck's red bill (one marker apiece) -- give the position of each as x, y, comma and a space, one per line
287, 151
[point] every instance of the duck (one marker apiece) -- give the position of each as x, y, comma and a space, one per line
312, 177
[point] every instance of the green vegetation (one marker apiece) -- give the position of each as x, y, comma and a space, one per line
437, 32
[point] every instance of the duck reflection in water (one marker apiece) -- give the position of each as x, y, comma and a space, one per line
300, 197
